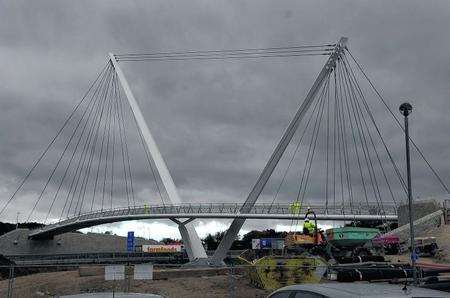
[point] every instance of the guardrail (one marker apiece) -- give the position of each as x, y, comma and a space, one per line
230, 208
216, 210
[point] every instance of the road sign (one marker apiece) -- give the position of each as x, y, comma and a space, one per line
130, 242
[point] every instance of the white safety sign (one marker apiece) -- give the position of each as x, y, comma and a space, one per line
143, 271
115, 272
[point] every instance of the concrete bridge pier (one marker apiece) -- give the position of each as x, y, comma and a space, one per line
191, 241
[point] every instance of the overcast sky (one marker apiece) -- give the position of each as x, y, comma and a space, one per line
215, 122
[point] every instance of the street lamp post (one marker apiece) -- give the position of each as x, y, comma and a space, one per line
406, 109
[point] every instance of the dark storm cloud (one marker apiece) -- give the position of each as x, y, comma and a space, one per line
216, 122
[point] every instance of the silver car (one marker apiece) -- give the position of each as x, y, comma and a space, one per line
350, 290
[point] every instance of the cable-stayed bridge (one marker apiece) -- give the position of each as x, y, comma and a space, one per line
333, 137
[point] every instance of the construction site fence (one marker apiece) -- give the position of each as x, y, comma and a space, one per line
166, 280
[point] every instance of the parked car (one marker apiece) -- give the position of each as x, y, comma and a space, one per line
350, 290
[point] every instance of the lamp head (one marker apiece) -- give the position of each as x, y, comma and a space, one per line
405, 108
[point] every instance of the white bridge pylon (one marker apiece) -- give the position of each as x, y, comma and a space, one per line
232, 232
190, 238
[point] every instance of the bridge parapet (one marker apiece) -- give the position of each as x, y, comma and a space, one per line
212, 210
202, 208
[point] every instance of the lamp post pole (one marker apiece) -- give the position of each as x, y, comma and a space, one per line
406, 109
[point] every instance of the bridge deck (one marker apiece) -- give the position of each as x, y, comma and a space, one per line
212, 210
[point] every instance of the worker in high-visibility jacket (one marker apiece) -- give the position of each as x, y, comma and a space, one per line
295, 207
308, 227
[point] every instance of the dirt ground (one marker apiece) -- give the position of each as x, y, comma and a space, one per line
69, 282
442, 235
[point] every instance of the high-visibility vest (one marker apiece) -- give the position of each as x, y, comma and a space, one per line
294, 208
310, 226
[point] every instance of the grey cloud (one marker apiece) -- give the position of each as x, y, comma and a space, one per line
216, 123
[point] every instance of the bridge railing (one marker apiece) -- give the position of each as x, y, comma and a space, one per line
226, 208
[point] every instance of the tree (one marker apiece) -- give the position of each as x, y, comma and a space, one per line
169, 241
212, 241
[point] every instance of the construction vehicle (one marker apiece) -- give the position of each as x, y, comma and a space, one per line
297, 243
273, 272
339, 242
425, 246
388, 244
350, 241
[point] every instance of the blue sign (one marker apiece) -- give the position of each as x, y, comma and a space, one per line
266, 243
414, 256
130, 242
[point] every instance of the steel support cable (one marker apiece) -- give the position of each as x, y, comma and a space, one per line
113, 156
224, 57
376, 154
72, 158
126, 145
316, 136
365, 150
119, 124
53, 172
105, 173
352, 88
67, 168
223, 54
125, 158
357, 150
361, 94
85, 170
339, 141
331, 46
381, 205
327, 148
297, 147
287, 132
85, 182
347, 95
152, 171
121, 142
365, 147
318, 104
96, 127
313, 141
41, 156
77, 173
334, 136
100, 158
85, 160
316, 117
341, 119
400, 125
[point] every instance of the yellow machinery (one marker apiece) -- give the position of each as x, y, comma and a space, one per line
273, 272
303, 241
294, 239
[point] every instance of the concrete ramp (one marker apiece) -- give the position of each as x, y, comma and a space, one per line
421, 225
